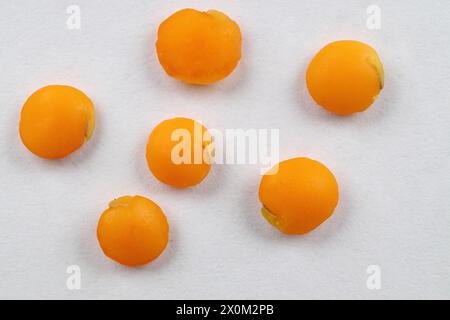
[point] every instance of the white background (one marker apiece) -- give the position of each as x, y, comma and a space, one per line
392, 162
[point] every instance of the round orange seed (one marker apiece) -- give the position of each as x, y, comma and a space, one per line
298, 195
199, 47
56, 120
133, 231
345, 77
180, 152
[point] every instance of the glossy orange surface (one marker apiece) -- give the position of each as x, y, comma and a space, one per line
345, 77
180, 152
133, 231
56, 120
299, 196
199, 47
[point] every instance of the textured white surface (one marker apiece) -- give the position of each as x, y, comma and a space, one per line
392, 162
